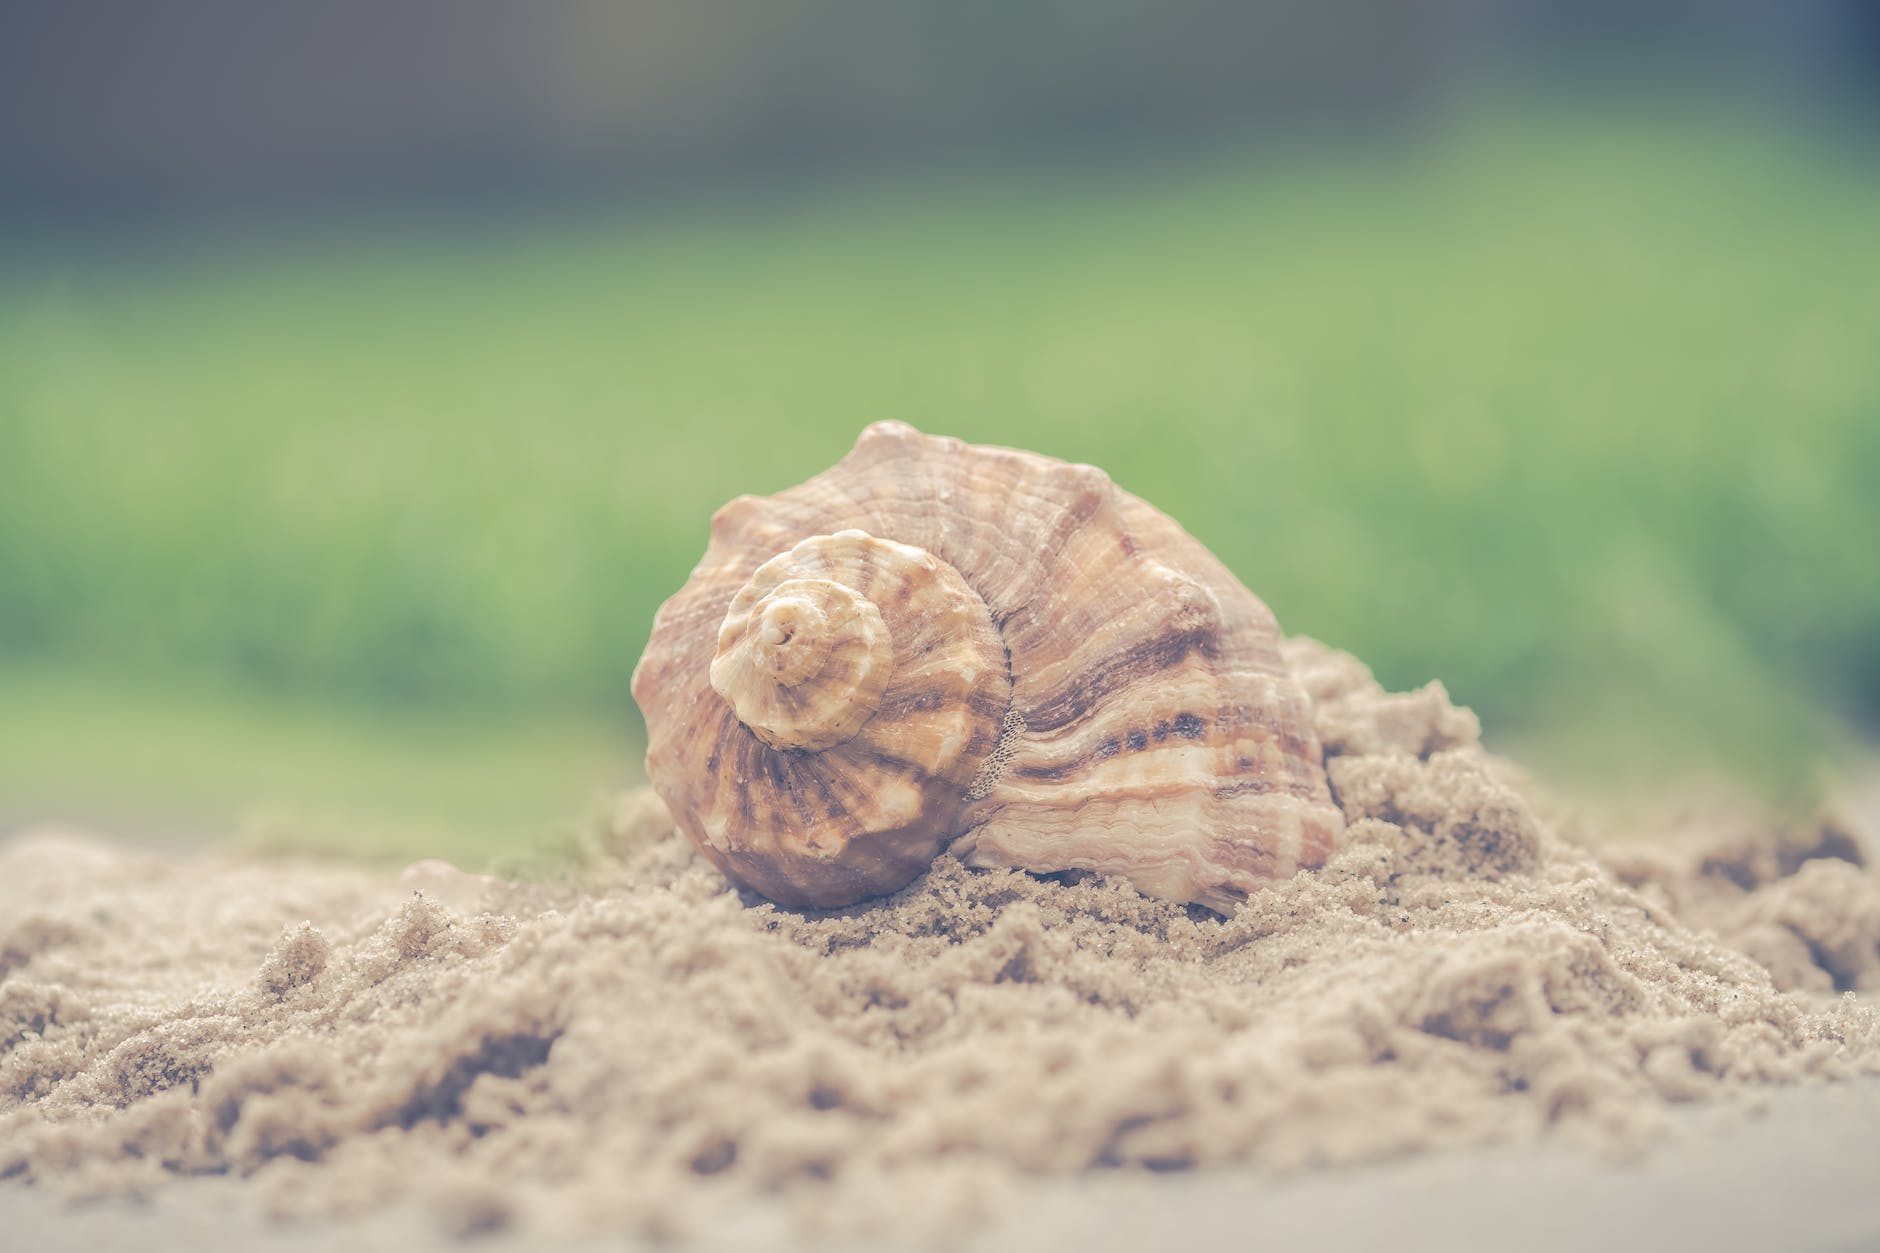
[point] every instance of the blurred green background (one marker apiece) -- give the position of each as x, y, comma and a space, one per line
335, 504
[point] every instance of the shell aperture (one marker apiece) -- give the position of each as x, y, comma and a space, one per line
936, 645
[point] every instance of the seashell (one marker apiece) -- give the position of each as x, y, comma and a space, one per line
941, 646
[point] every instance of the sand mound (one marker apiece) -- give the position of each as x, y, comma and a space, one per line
626, 1049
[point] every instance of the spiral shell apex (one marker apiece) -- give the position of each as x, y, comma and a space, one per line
939, 646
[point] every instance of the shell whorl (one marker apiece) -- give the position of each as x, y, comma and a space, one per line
936, 645
805, 656
860, 686
804, 659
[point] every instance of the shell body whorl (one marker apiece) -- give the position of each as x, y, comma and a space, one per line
934, 645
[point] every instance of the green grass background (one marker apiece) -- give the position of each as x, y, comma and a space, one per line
1581, 415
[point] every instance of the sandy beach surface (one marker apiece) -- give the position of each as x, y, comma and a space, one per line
1487, 1021
1798, 1175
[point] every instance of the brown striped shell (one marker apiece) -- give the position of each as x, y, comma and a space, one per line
935, 645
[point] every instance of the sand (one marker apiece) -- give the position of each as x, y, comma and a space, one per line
1798, 1175
638, 1047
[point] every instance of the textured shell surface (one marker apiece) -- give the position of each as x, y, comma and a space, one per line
935, 645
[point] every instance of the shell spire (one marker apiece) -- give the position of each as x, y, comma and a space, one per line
804, 661
935, 645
